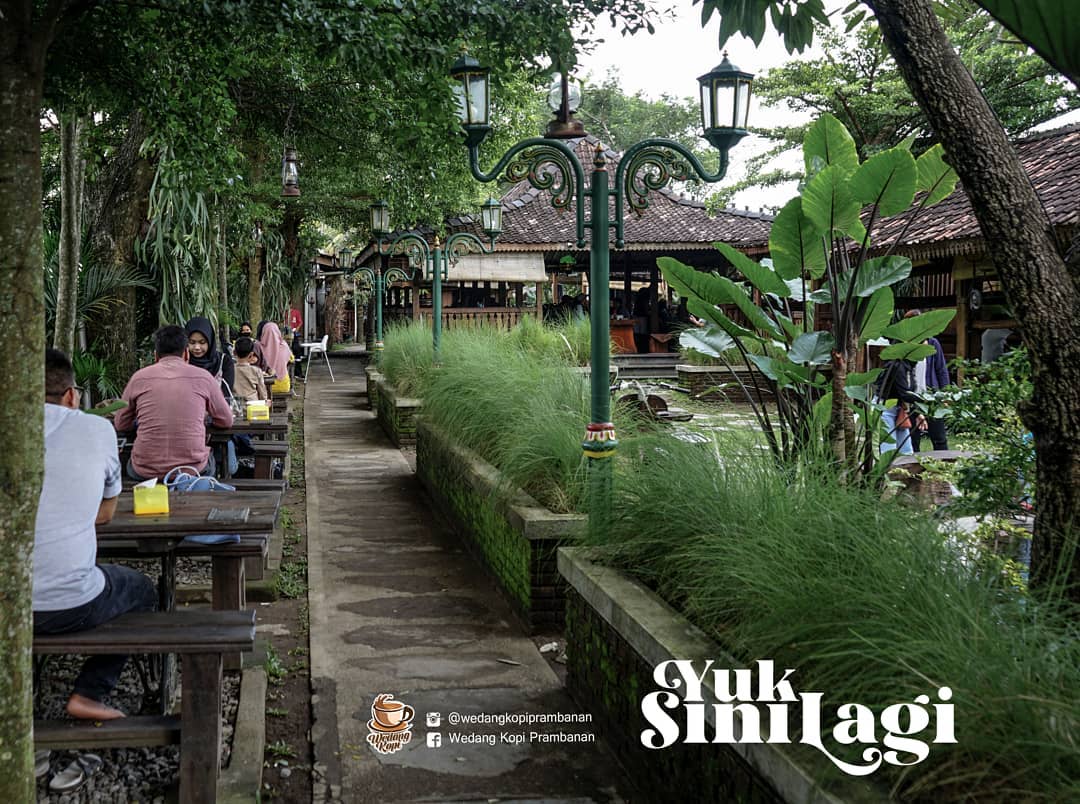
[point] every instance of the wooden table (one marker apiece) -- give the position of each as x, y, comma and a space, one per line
159, 535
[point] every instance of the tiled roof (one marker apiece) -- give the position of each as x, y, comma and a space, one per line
671, 221
1051, 159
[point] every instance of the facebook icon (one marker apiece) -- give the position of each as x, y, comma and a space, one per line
434, 739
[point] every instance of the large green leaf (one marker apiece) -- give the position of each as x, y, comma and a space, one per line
1049, 26
935, 177
873, 275
829, 139
781, 370
711, 341
856, 379
753, 313
877, 315
907, 351
828, 203
692, 283
760, 276
795, 243
887, 180
812, 348
920, 327
716, 316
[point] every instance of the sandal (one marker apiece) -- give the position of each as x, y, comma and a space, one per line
41, 762
74, 776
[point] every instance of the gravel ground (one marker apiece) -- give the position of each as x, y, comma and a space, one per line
129, 774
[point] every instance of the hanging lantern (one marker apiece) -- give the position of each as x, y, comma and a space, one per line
290, 174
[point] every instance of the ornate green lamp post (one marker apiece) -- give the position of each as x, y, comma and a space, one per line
435, 263
550, 164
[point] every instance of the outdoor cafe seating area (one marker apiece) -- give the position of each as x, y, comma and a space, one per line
226, 527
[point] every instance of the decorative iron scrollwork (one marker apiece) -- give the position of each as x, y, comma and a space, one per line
546, 168
652, 169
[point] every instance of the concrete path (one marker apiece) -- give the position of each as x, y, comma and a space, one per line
398, 606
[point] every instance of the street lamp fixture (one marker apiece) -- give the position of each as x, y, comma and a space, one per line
433, 264
345, 258
550, 164
564, 98
725, 104
471, 91
290, 174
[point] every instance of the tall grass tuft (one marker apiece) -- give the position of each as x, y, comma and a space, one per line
866, 599
562, 340
518, 402
407, 357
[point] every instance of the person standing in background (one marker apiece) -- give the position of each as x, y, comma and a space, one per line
931, 373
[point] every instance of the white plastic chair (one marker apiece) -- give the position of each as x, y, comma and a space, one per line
317, 348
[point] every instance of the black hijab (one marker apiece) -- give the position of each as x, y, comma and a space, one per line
213, 360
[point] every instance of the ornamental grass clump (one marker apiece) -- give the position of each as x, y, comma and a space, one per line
406, 357
524, 411
870, 604
564, 340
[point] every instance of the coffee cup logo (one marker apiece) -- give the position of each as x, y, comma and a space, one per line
390, 724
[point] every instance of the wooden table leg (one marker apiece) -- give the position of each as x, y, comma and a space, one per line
229, 593
167, 602
200, 728
264, 467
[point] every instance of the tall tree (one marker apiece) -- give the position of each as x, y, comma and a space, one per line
1044, 293
71, 197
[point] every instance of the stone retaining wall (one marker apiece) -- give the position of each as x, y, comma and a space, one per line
371, 373
703, 382
396, 414
617, 631
510, 532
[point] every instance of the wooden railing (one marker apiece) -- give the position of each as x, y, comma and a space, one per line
498, 317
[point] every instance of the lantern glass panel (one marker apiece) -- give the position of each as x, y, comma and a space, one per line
724, 104
742, 103
478, 99
706, 105
459, 100
491, 216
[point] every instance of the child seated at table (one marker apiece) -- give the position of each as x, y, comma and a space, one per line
249, 383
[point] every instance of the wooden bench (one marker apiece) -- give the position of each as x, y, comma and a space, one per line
265, 453
200, 638
278, 484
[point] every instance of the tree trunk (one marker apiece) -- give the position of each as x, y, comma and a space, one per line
71, 192
255, 271
837, 434
222, 282
22, 331
1044, 295
121, 202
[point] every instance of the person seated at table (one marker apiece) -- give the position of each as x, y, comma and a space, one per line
276, 353
250, 381
203, 352
170, 401
245, 332
70, 591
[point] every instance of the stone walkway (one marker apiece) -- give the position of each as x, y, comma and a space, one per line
398, 606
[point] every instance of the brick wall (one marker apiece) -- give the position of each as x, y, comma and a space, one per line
396, 416
525, 568
608, 678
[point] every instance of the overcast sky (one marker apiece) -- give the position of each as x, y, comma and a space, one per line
670, 61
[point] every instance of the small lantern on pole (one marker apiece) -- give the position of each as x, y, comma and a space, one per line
380, 218
491, 217
345, 258
725, 104
290, 174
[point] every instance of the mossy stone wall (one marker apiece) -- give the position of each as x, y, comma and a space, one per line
514, 537
396, 415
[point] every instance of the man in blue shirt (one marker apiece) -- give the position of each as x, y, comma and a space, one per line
81, 484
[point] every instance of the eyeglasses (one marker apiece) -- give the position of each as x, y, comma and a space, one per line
78, 388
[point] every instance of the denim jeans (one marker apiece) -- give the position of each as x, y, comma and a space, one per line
125, 590
895, 436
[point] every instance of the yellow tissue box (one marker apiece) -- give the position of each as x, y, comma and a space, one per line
282, 385
151, 499
257, 411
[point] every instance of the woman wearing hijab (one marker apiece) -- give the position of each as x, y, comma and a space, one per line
203, 352
276, 354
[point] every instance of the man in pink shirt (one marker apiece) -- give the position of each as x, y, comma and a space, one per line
169, 401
